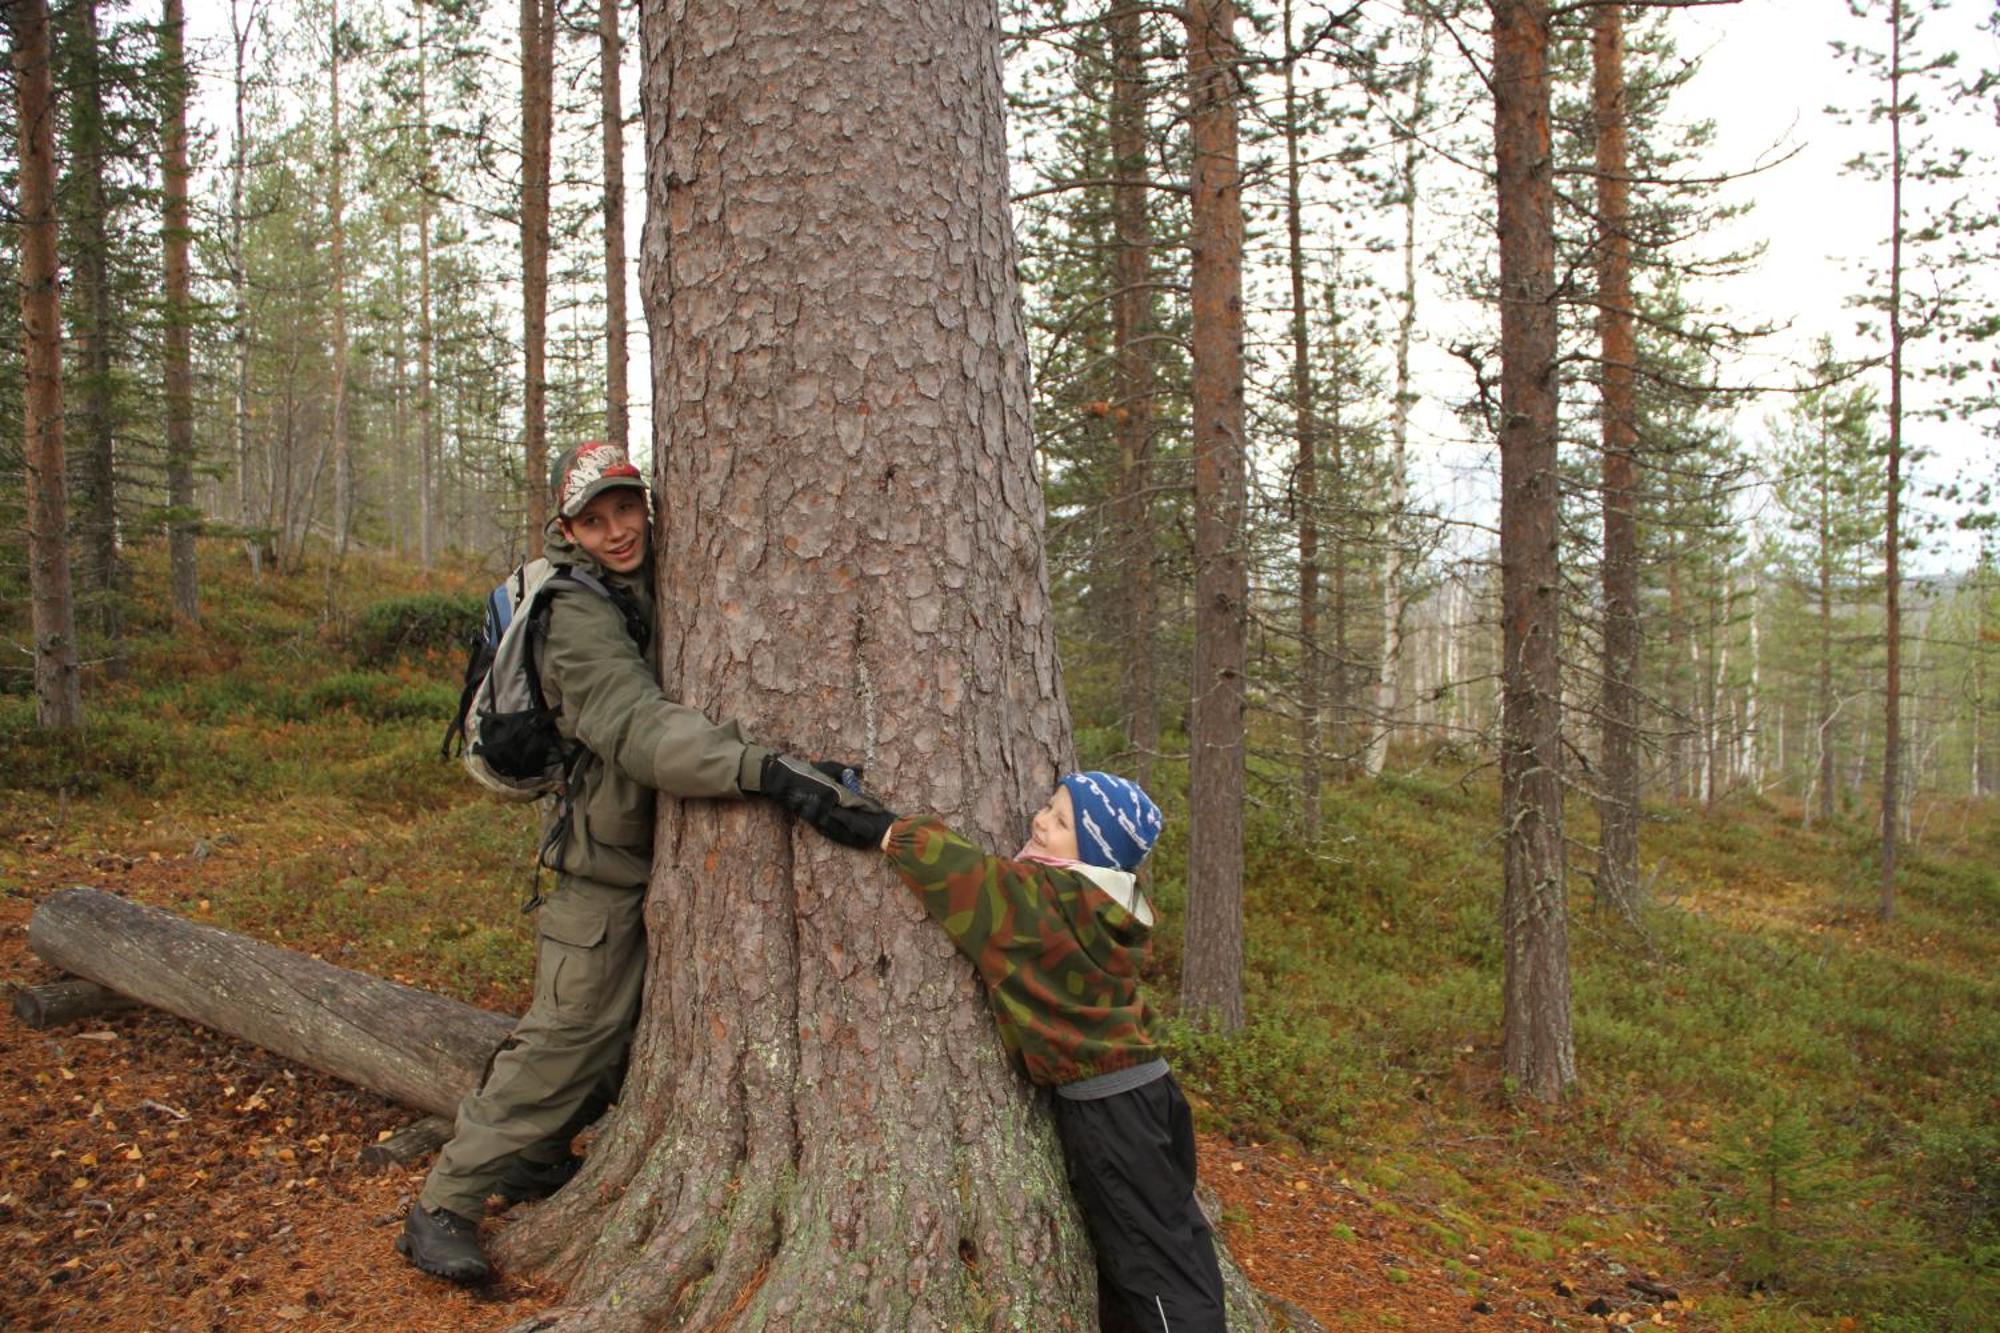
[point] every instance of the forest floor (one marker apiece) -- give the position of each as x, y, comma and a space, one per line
1787, 1113
156, 1175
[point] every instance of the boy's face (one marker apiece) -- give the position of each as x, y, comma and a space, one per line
611, 529
1054, 827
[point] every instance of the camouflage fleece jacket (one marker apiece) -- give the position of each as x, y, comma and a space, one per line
1059, 948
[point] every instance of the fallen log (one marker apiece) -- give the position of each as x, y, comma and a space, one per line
410, 1045
60, 1001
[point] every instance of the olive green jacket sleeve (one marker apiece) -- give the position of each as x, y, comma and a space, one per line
608, 698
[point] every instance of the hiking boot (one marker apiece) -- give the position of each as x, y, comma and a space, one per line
444, 1245
526, 1181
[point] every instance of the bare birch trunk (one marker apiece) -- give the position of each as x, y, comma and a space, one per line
1618, 798
1537, 1051
52, 612
1212, 968
179, 319
820, 1129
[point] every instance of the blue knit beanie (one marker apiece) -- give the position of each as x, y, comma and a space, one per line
1116, 822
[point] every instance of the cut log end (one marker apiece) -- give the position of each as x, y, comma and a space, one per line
407, 1144
61, 1001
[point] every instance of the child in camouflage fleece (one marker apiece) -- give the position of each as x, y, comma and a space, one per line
1057, 932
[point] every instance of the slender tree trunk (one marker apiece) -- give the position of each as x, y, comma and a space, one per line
1826, 769
616, 411
1306, 468
1387, 701
399, 367
182, 519
240, 25
1537, 1051
1892, 721
97, 499
58, 692
537, 123
343, 463
427, 443
1618, 799
820, 1129
1753, 700
1212, 969
1132, 417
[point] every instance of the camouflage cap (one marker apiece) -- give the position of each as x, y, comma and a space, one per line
585, 471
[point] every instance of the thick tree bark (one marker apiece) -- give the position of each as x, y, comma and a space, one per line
1132, 331
610, 49
537, 127
52, 611
411, 1046
819, 1128
1212, 969
181, 522
1306, 468
1536, 1049
1618, 798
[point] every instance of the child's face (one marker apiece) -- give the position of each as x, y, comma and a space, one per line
1054, 827
611, 529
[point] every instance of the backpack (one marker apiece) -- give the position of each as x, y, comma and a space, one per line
505, 730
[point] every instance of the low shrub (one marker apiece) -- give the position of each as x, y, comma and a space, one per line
420, 623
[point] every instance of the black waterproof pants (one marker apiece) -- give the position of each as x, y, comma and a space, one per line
1131, 1165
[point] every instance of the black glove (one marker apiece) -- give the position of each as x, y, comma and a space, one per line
829, 797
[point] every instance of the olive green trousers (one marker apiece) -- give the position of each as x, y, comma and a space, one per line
563, 1063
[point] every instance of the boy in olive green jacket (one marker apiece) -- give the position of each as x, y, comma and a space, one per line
598, 666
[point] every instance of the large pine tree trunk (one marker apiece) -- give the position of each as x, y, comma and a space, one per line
613, 112
820, 1129
1132, 331
1212, 970
1618, 799
537, 128
179, 320
58, 693
1536, 1047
